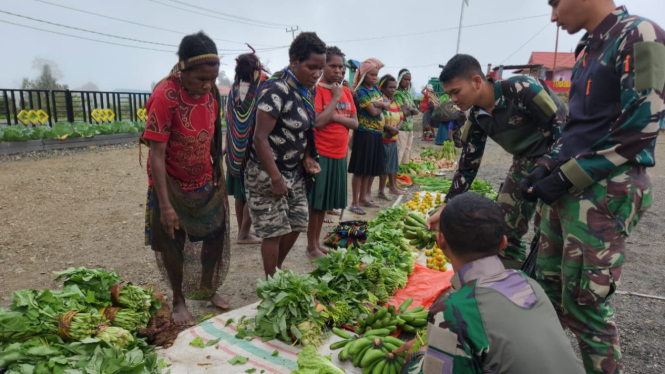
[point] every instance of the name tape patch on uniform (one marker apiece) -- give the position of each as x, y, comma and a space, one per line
649, 66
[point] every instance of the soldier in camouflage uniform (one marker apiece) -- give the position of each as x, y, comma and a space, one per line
524, 117
498, 320
599, 188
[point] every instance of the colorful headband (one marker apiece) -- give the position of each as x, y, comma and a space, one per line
194, 61
399, 78
383, 81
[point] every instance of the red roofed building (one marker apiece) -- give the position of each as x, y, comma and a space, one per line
223, 90
564, 65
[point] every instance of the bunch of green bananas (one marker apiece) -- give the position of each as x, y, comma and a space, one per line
414, 229
372, 353
384, 318
411, 321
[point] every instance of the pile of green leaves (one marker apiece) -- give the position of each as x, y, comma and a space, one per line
287, 302
36, 312
63, 130
434, 184
424, 168
50, 354
341, 281
95, 283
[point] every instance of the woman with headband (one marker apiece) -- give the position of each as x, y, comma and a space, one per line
393, 119
404, 98
187, 218
367, 149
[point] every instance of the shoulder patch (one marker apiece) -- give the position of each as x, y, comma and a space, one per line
466, 130
649, 66
545, 103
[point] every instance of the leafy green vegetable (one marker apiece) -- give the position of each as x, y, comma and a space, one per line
311, 362
117, 336
238, 360
250, 371
197, 342
213, 342
50, 354
97, 281
287, 300
275, 353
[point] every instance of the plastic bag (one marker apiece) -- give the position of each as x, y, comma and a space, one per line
424, 286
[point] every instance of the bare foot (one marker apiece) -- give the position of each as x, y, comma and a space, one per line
382, 195
323, 248
333, 212
397, 192
181, 316
249, 239
314, 253
219, 302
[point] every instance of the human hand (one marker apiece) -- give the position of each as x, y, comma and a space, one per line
527, 183
433, 220
406, 347
169, 220
311, 166
336, 91
279, 187
553, 187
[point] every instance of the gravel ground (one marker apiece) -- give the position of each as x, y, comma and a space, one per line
84, 207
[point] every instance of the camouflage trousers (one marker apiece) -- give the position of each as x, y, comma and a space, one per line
582, 248
517, 213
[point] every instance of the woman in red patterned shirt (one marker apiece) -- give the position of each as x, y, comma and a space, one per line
186, 198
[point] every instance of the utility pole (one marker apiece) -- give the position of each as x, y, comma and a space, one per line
459, 31
293, 31
556, 51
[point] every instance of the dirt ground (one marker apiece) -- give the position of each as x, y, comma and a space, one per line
86, 208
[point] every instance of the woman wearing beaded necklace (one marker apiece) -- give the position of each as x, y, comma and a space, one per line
282, 158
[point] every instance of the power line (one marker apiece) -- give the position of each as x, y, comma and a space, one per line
138, 24
211, 16
80, 37
436, 31
84, 30
129, 39
267, 24
527, 42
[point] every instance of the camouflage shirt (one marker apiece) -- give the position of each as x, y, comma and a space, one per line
497, 321
617, 100
526, 121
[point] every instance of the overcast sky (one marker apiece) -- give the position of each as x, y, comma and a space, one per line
338, 23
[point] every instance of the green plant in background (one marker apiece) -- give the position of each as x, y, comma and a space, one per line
64, 130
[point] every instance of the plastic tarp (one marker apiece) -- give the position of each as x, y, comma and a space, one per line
424, 286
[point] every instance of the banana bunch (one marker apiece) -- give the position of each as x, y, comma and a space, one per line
384, 319
372, 352
411, 321
414, 229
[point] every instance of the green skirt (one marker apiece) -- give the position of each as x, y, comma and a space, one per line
235, 188
329, 191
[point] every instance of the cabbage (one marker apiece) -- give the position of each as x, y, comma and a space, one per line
311, 362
